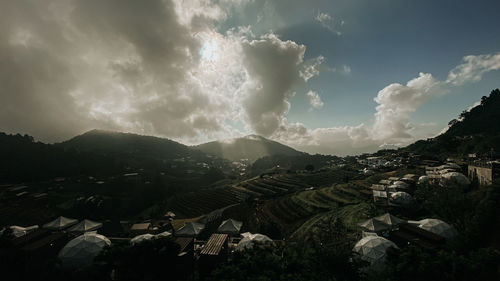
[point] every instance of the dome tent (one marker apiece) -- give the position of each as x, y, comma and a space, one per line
60, 223
401, 198
190, 229
82, 250
401, 184
85, 225
456, 177
230, 226
250, 240
438, 227
423, 179
373, 250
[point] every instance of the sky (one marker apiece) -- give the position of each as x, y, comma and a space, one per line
330, 77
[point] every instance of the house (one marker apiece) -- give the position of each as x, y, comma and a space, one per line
484, 172
140, 228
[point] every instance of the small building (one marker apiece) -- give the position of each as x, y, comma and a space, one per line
213, 252
380, 197
483, 172
140, 228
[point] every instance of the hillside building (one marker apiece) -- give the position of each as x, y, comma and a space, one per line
483, 172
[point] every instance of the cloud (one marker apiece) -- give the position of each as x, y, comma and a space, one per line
314, 100
311, 68
69, 66
473, 68
273, 66
346, 69
328, 22
397, 102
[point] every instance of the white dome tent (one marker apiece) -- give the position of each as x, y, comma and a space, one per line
438, 227
82, 250
60, 223
250, 240
423, 179
373, 250
401, 198
455, 177
401, 184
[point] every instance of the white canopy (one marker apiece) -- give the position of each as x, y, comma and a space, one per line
374, 225
230, 226
141, 238
163, 234
373, 250
147, 236
389, 219
190, 229
19, 231
60, 223
85, 225
401, 198
438, 227
82, 250
250, 240
400, 184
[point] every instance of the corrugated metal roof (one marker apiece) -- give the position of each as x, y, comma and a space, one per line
214, 244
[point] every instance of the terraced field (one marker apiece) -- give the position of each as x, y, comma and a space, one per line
335, 225
306, 206
271, 186
202, 202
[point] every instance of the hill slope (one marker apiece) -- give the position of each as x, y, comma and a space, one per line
475, 131
251, 147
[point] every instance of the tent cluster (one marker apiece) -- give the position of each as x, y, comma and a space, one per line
374, 243
446, 174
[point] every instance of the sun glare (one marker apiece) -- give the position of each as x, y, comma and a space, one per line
209, 50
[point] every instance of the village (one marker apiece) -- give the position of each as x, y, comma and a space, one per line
210, 237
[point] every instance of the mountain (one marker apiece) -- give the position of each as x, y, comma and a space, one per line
477, 130
251, 147
25, 160
107, 142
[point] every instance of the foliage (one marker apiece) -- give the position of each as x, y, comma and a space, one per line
148, 260
476, 131
299, 262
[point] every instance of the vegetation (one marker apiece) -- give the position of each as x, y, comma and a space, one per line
476, 131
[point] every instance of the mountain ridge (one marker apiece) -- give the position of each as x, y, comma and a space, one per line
251, 147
